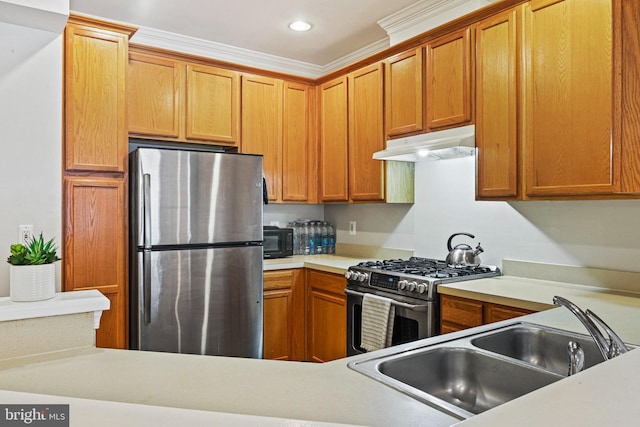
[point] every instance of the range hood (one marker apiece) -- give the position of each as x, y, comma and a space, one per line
444, 144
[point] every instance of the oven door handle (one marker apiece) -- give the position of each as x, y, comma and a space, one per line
394, 302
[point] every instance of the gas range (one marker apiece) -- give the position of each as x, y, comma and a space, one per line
416, 277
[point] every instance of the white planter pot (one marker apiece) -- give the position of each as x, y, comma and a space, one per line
32, 282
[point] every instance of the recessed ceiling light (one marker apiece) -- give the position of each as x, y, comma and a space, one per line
300, 26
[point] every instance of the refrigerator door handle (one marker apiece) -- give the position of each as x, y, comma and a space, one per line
146, 285
146, 208
146, 254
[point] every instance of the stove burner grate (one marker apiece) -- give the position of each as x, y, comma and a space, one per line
425, 267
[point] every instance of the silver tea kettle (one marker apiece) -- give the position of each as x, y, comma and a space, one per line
462, 255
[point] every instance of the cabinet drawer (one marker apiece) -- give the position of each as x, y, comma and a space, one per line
281, 279
496, 313
328, 282
461, 312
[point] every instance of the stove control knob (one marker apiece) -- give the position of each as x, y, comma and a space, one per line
422, 288
411, 286
362, 277
349, 274
402, 285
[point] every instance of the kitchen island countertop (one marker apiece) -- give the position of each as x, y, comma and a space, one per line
329, 392
234, 391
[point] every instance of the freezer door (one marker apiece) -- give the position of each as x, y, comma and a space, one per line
189, 197
202, 301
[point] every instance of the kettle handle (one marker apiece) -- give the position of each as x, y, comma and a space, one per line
457, 234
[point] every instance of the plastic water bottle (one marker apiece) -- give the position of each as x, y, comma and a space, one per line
325, 237
319, 236
306, 239
331, 231
296, 237
313, 237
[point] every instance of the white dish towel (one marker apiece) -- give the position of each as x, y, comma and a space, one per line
378, 314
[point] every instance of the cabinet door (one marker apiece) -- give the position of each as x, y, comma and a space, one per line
459, 313
94, 251
334, 177
366, 134
262, 127
277, 319
213, 104
567, 107
496, 107
298, 155
327, 317
153, 96
404, 100
95, 121
448, 85
284, 315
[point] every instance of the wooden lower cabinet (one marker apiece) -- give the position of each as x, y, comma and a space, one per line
283, 313
95, 249
458, 313
326, 316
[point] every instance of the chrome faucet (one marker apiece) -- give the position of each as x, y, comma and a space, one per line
576, 358
609, 348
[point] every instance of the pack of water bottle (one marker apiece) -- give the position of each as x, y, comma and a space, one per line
313, 237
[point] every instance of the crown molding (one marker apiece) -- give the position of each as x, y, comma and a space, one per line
223, 52
355, 56
47, 15
426, 15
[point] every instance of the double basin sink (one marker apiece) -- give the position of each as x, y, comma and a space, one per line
469, 375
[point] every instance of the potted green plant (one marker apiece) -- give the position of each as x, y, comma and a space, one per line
32, 273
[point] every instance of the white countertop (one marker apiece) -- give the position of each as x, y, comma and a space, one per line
330, 263
62, 303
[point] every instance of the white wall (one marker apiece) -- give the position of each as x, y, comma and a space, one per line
281, 214
600, 233
30, 135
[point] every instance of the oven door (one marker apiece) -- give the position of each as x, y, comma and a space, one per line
414, 319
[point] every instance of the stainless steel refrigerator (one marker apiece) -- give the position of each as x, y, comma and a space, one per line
196, 252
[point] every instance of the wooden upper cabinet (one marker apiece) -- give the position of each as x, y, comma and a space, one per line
334, 136
262, 127
171, 99
299, 170
95, 99
448, 80
366, 134
496, 107
404, 96
153, 95
213, 104
567, 97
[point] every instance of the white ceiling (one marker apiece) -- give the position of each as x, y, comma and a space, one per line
340, 27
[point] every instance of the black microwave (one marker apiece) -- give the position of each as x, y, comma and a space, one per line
278, 242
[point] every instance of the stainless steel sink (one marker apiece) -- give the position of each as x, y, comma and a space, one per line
538, 345
468, 379
470, 374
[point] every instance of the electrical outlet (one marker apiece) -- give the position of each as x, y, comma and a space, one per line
25, 233
352, 228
